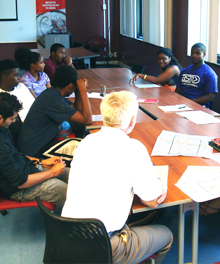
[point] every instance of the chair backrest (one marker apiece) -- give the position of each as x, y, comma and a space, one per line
137, 68
98, 42
77, 44
74, 240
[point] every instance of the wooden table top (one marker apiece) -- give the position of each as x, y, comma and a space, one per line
74, 53
147, 133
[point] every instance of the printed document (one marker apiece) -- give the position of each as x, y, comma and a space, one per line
176, 144
199, 117
200, 183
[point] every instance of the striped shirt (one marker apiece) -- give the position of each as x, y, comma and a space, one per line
37, 86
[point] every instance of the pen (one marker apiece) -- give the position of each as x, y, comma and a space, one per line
182, 107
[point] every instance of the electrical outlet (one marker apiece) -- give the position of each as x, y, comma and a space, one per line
115, 54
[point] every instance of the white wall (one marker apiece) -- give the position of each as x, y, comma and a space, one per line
24, 29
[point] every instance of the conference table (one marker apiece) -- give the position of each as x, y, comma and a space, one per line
148, 128
74, 53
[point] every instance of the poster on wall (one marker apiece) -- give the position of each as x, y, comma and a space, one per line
50, 18
8, 10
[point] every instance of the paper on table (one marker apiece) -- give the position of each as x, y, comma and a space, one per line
97, 118
177, 144
95, 95
200, 183
162, 173
215, 157
147, 85
174, 108
90, 95
199, 117
146, 100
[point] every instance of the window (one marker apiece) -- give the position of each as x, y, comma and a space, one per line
203, 21
145, 20
139, 18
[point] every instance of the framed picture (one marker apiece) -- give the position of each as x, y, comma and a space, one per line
8, 10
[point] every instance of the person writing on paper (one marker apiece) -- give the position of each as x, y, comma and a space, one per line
34, 78
109, 193
169, 70
198, 81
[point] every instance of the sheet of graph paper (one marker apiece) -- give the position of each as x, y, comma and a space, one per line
177, 144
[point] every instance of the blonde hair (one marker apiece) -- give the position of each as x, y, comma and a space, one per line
118, 108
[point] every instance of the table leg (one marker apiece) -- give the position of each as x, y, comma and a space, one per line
87, 61
181, 234
195, 230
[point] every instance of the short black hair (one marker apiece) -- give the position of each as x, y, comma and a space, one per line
200, 46
8, 64
64, 75
22, 57
55, 47
6, 67
8, 105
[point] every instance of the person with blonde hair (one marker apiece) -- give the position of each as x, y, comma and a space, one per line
108, 168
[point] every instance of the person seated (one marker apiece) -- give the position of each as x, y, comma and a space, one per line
57, 58
23, 178
108, 194
34, 78
169, 70
51, 109
9, 82
198, 81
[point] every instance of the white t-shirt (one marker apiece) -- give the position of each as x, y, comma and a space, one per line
25, 97
107, 169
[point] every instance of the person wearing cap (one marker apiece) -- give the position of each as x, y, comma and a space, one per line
9, 82
198, 81
169, 70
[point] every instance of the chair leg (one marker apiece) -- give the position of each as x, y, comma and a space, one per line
4, 212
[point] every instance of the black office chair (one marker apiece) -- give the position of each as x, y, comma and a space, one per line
137, 68
74, 240
87, 46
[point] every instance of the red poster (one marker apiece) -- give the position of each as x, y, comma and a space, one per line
43, 6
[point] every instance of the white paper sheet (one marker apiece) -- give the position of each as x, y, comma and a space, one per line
199, 117
97, 118
176, 144
215, 157
200, 183
147, 85
90, 95
162, 173
174, 108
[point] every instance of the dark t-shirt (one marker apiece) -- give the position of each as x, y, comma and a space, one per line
14, 166
42, 123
